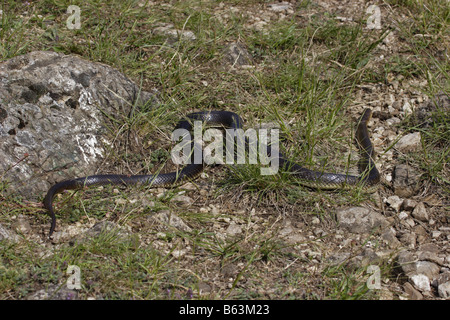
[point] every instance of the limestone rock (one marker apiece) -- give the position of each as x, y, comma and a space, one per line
406, 181
165, 217
233, 229
21, 225
409, 142
389, 236
430, 269
421, 273
412, 293
54, 292
236, 55
360, 220
6, 234
408, 204
444, 290
283, 6
395, 202
421, 282
52, 119
420, 212
183, 200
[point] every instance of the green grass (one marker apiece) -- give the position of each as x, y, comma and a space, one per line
305, 78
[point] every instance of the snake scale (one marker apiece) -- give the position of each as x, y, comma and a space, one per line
368, 178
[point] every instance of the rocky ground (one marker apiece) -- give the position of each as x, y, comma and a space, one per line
396, 242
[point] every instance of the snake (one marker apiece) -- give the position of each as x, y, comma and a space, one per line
368, 177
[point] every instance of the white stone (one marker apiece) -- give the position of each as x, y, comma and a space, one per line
435, 234
395, 202
233, 229
280, 7
421, 282
407, 108
403, 215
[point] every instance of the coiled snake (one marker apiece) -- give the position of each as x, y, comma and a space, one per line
369, 176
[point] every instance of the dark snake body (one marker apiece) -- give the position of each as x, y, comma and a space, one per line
369, 176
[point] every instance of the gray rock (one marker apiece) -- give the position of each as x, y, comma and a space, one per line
6, 234
420, 212
360, 220
395, 202
167, 218
338, 258
22, 225
420, 273
407, 262
406, 181
54, 292
52, 119
421, 282
410, 142
430, 269
442, 278
409, 239
233, 229
408, 204
431, 256
183, 200
236, 55
430, 252
280, 7
412, 293
349, 260
204, 288
365, 258
421, 233
390, 237
444, 290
